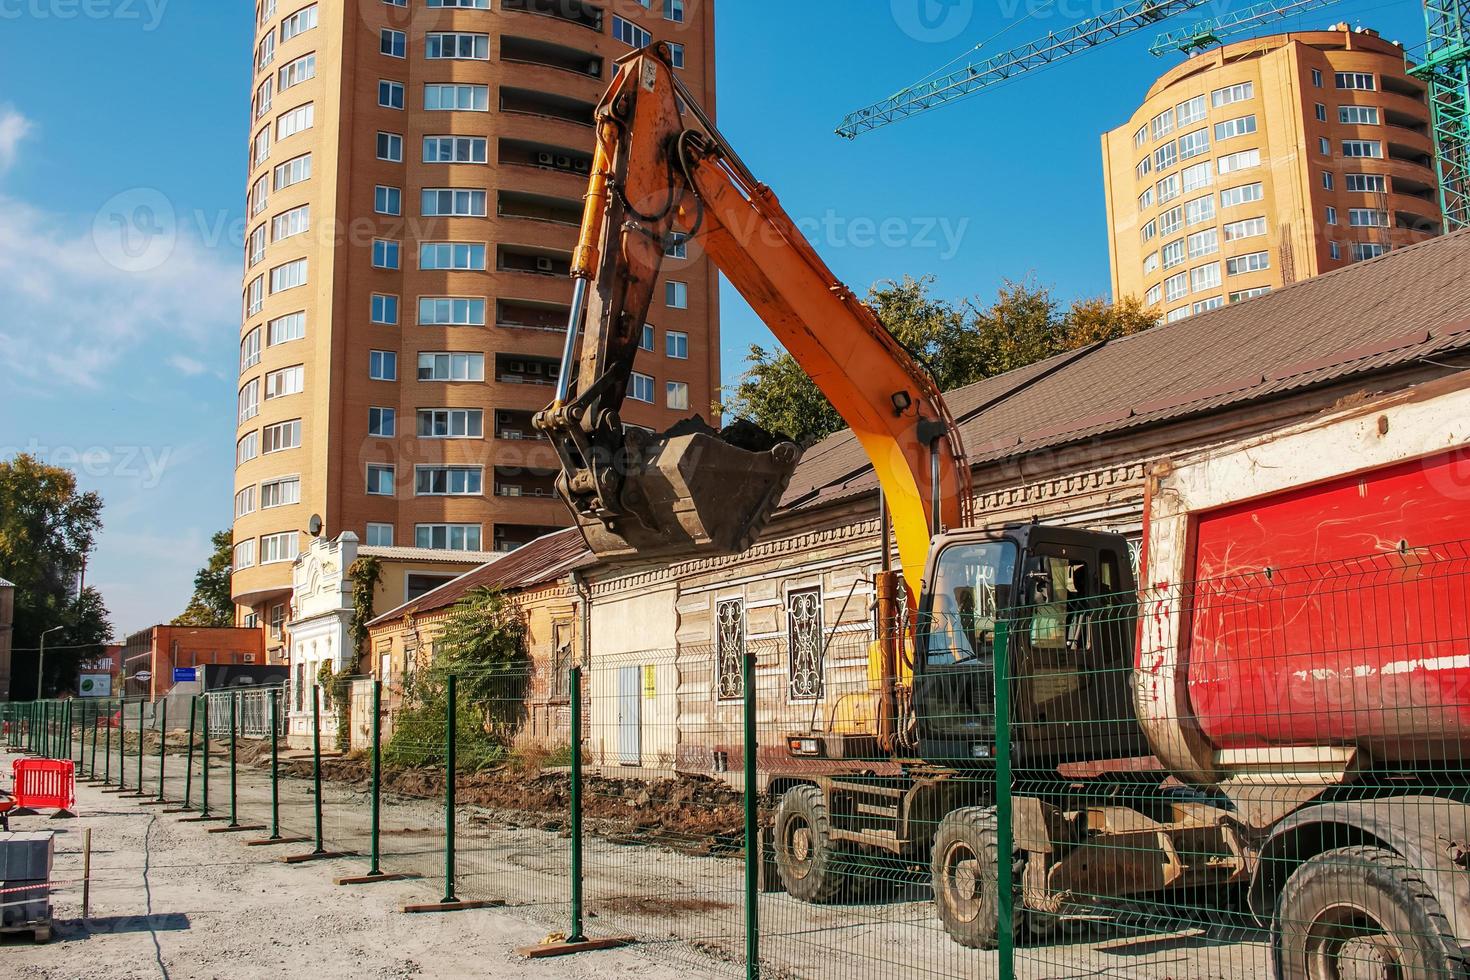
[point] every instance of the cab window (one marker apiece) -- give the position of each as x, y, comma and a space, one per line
971, 582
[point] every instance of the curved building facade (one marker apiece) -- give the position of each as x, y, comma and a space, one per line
1260, 163
417, 170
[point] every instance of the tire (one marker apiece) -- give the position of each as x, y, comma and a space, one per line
965, 869
812, 866
1361, 911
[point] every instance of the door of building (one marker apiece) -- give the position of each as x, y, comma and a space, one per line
630, 718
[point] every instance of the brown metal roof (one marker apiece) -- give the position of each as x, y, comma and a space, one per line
543, 560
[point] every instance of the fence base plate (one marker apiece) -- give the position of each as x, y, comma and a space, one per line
567, 947
115, 789
201, 819
178, 809
454, 906
382, 876
323, 856
237, 829
155, 803
267, 842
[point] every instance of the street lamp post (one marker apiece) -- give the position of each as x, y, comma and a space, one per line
41, 664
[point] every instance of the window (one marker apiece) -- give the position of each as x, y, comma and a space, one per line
676, 395
1317, 77
1194, 144
1358, 115
250, 350
1249, 228
448, 44
676, 295
454, 149
387, 200
281, 547
382, 422
1334, 250
1251, 262
1321, 112
1173, 253
301, 70
393, 43
263, 97
1362, 148
286, 381
1140, 137
288, 224
453, 203
281, 436
1231, 94
245, 502
1367, 250
676, 345
1206, 305
385, 309
1203, 243
676, 246
382, 365
640, 388
676, 54
248, 401
266, 52
451, 367
450, 311
247, 448
298, 120
804, 644
457, 98
1171, 221
380, 480
674, 10
1367, 218
1196, 176
259, 196
1204, 277
1246, 294
293, 171
379, 536
1176, 287
390, 147
1168, 188
256, 246
645, 342
260, 149
1162, 124
298, 23
448, 537
630, 33
385, 254
451, 423
1146, 199
452, 256
1331, 215
1151, 263
476, 4
245, 555
1324, 146
1191, 111
1154, 294
1231, 128
390, 94
1358, 80
1144, 168
1148, 231
255, 295
449, 481
288, 276
280, 493
730, 649
1327, 180
1243, 194
1367, 183
1200, 209
1243, 160
1166, 156
286, 328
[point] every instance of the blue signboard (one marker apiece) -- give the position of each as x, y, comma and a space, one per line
183, 674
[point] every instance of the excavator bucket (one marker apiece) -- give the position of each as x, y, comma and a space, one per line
694, 492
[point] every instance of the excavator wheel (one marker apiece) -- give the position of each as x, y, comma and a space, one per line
813, 867
965, 866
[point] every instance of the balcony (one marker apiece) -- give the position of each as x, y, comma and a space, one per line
547, 105
530, 51
525, 370
534, 261
1418, 189
1423, 224
509, 537
539, 207
570, 11
531, 315
517, 427
524, 153
513, 481
1406, 87
1405, 153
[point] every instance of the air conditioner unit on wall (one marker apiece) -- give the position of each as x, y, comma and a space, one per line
582, 165
545, 264
545, 159
564, 162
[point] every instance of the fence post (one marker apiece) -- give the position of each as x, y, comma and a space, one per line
92, 768
316, 762
189, 754
204, 755
1005, 846
234, 743
449, 768
275, 768
141, 702
107, 748
752, 829
373, 867
162, 715
69, 713
574, 692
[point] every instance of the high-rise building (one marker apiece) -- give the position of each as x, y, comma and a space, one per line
1260, 163
417, 169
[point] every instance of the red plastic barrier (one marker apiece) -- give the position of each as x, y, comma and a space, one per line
49, 784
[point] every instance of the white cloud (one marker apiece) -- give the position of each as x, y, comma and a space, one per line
187, 365
13, 128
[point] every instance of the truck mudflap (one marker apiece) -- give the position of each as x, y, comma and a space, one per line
1431, 833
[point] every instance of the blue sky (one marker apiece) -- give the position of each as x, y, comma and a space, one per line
119, 340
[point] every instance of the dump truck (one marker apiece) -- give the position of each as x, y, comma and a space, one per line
1275, 698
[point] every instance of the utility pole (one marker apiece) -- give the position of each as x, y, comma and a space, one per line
41, 663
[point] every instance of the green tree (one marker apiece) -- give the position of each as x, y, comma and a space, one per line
47, 529
211, 604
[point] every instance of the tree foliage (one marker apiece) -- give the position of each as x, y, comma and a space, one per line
483, 645
959, 343
211, 604
47, 529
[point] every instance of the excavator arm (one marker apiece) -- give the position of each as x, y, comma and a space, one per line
660, 169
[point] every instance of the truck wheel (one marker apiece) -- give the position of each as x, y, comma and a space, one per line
1361, 911
810, 863
965, 869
